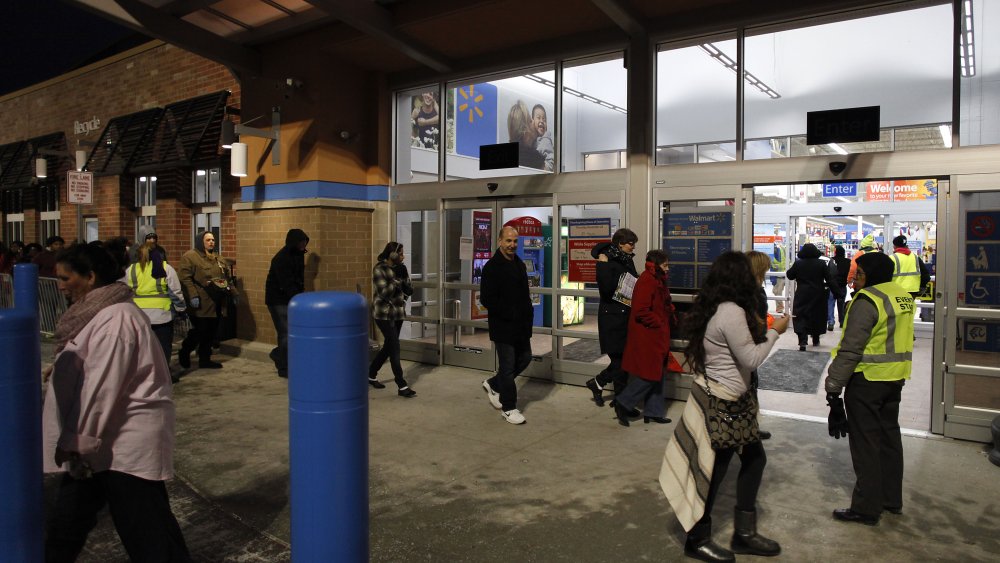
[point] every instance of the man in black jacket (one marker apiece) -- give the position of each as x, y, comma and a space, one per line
504, 292
285, 279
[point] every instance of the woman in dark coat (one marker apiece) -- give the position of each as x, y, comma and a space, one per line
812, 276
648, 346
843, 268
614, 259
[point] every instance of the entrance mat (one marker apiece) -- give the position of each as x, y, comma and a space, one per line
793, 371
583, 350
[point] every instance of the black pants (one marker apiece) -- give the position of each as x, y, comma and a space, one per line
752, 462
165, 334
512, 359
390, 349
279, 316
876, 445
139, 509
614, 374
200, 336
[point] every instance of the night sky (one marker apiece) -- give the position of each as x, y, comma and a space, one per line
41, 39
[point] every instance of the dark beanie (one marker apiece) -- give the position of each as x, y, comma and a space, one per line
878, 268
899, 241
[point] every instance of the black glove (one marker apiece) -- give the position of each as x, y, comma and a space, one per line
400, 271
837, 422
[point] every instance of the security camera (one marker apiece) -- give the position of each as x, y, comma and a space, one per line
837, 167
492, 187
837, 208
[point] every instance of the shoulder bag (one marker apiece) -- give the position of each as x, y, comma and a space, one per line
731, 424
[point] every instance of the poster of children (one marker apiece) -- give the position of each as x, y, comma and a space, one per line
426, 121
530, 129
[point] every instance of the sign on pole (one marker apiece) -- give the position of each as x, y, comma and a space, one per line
80, 187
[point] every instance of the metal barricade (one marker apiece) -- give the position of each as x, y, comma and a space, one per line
51, 302
51, 305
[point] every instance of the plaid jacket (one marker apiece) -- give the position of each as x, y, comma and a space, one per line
390, 290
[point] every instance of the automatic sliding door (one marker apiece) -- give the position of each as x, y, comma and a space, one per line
417, 229
467, 230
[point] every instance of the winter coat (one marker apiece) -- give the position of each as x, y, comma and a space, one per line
286, 277
197, 269
649, 326
391, 288
612, 316
812, 277
504, 292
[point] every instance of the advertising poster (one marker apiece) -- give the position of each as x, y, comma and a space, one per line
584, 235
482, 250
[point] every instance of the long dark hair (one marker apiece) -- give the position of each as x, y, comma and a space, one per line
730, 279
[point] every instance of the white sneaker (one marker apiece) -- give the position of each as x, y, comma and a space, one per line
513, 416
493, 396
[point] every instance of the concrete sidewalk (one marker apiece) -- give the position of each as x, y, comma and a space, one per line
451, 481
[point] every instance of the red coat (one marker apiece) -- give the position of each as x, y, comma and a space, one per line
649, 325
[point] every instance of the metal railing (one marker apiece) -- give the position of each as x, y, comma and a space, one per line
51, 302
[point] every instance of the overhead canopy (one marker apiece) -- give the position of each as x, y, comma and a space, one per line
17, 160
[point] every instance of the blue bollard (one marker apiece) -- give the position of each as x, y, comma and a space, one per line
328, 426
22, 518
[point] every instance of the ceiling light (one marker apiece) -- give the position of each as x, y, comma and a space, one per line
945, 135
837, 148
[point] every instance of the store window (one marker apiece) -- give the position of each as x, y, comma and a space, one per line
696, 102
594, 113
418, 135
901, 62
145, 201
979, 59
48, 208
510, 108
207, 186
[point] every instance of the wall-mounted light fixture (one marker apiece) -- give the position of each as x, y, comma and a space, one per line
42, 164
41, 167
238, 149
228, 135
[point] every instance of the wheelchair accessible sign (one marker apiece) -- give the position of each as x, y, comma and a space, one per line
982, 257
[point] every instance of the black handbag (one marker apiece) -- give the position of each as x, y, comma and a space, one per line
731, 424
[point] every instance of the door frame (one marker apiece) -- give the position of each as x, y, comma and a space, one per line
968, 423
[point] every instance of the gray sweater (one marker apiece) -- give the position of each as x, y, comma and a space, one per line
730, 352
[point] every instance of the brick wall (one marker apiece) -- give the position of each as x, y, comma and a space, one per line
339, 254
155, 74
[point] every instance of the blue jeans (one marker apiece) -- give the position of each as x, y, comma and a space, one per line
390, 350
279, 316
511, 361
830, 302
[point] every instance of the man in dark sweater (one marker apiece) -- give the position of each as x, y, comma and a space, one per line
504, 292
285, 279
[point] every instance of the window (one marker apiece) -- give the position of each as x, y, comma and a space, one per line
48, 208
696, 102
512, 108
980, 64
91, 232
903, 64
13, 208
206, 194
595, 111
145, 201
418, 135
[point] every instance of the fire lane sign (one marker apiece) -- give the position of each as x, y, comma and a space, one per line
80, 187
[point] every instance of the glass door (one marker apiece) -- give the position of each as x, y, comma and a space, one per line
417, 229
470, 230
970, 288
694, 225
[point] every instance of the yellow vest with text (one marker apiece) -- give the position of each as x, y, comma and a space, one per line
150, 292
889, 352
907, 273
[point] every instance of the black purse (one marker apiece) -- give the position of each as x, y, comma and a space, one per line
731, 424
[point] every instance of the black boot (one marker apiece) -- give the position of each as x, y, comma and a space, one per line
597, 391
747, 540
621, 413
699, 545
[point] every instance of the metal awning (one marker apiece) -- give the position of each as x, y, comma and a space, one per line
17, 160
187, 133
120, 141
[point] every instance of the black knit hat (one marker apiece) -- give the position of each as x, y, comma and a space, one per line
878, 268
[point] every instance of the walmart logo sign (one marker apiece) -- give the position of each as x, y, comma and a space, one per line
476, 118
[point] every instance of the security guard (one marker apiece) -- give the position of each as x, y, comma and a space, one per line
872, 361
779, 263
910, 272
157, 290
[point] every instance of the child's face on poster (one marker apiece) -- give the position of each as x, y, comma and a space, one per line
539, 121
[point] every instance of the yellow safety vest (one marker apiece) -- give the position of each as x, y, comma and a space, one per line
889, 351
150, 292
907, 273
778, 262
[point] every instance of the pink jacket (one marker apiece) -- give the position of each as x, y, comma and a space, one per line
110, 398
